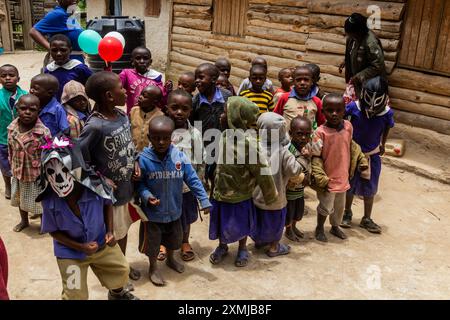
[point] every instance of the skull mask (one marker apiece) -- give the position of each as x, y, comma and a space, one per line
374, 96
59, 177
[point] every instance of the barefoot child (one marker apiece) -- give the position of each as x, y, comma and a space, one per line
300, 132
141, 76
188, 140
76, 103
301, 100
26, 135
164, 169
9, 94
78, 215
246, 84
270, 219
107, 145
186, 82
286, 81
64, 68
233, 217
371, 119
224, 67
332, 144
143, 113
52, 113
256, 94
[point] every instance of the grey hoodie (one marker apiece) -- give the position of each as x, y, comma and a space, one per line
282, 161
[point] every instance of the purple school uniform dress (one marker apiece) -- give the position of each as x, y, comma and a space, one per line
368, 133
269, 225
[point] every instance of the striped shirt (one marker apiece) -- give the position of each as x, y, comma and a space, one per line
264, 100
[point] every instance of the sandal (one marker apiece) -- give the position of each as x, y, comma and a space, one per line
187, 254
241, 258
162, 253
281, 250
218, 254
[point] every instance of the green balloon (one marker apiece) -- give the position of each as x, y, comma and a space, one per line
88, 41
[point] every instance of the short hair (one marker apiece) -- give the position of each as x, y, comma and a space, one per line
332, 96
178, 92
300, 119
190, 74
356, 23
222, 60
258, 67
151, 88
161, 121
282, 71
29, 96
141, 48
259, 61
304, 67
212, 69
315, 69
49, 81
60, 37
7, 65
99, 83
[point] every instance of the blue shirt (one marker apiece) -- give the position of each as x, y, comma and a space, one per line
56, 21
54, 117
218, 98
311, 94
58, 216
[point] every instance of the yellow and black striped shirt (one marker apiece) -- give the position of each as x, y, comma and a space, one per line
264, 100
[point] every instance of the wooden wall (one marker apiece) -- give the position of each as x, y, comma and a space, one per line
294, 32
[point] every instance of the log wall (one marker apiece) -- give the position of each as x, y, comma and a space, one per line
289, 33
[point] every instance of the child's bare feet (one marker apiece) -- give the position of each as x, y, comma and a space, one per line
174, 265
337, 232
298, 232
155, 277
22, 225
320, 235
289, 233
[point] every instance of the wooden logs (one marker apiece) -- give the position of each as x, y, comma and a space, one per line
425, 109
416, 80
194, 2
419, 97
277, 35
421, 121
199, 24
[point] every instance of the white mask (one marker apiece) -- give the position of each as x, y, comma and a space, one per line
59, 177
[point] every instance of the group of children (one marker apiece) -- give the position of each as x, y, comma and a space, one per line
95, 170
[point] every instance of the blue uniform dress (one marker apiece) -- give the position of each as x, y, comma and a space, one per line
368, 134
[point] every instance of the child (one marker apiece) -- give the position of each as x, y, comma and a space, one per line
142, 114
62, 67
78, 215
286, 81
141, 76
224, 67
222, 82
262, 98
52, 113
270, 219
9, 94
76, 103
246, 84
301, 100
107, 145
332, 144
315, 69
186, 82
233, 214
300, 133
371, 119
188, 140
165, 168
26, 135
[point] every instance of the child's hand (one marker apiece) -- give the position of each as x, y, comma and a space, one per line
206, 210
90, 248
137, 172
110, 239
306, 152
154, 201
111, 183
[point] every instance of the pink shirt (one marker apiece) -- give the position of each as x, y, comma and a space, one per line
134, 83
334, 147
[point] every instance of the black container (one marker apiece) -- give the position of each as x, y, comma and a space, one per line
132, 29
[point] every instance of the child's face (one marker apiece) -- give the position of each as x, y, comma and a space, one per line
79, 103
160, 138
303, 81
186, 83
300, 132
117, 94
204, 80
179, 109
60, 51
286, 79
224, 68
141, 60
257, 79
222, 82
41, 90
149, 99
9, 78
28, 110
334, 110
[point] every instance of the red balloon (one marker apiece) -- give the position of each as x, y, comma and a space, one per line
110, 49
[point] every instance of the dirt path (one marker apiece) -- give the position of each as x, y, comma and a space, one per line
409, 260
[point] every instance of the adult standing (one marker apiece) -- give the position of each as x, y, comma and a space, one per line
59, 20
364, 56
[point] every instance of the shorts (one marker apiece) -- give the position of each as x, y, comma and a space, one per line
154, 234
5, 166
122, 221
295, 210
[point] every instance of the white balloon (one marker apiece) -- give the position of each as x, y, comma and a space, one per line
116, 35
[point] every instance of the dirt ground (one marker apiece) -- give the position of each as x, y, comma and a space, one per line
409, 260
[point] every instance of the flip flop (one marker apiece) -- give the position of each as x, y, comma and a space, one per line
218, 254
187, 254
162, 253
281, 250
241, 259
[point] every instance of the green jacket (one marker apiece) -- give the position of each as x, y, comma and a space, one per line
6, 114
235, 182
319, 179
